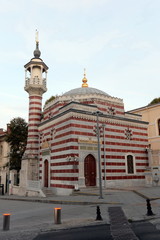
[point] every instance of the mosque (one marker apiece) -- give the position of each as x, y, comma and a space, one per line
83, 138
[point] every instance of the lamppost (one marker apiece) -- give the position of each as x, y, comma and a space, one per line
97, 114
104, 152
8, 178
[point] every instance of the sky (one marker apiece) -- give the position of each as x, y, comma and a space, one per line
117, 41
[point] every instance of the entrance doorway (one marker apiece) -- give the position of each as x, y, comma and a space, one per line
46, 165
90, 170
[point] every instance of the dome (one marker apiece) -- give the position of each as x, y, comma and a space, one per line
85, 91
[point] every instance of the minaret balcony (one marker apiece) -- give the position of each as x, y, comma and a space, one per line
44, 82
27, 81
35, 81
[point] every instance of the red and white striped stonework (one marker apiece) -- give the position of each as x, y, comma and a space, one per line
117, 147
68, 140
35, 109
35, 85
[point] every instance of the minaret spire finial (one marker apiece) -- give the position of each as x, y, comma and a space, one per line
37, 52
37, 38
84, 80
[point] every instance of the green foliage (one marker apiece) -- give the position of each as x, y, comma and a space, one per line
17, 138
50, 99
154, 101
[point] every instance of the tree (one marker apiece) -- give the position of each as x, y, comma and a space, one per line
50, 99
17, 139
154, 101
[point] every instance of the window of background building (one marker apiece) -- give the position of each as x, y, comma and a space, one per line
130, 164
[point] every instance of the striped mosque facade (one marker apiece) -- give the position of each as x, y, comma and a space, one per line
67, 138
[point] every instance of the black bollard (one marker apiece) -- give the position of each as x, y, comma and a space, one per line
149, 209
98, 214
6, 221
57, 215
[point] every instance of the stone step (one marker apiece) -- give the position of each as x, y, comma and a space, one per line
48, 192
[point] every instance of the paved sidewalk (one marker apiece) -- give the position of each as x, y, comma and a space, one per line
132, 200
78, 209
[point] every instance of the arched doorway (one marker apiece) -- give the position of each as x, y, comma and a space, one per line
90, 170
46, 173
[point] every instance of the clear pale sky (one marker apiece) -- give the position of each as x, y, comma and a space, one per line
117, 41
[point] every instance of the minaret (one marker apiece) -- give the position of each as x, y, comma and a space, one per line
35, 85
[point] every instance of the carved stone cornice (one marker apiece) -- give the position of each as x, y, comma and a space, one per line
35, 90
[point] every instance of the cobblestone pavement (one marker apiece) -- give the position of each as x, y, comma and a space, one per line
119, 226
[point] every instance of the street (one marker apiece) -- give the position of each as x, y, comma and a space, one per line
143, 230
101, 232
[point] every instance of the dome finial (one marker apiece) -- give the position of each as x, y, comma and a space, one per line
37, 52
84, 80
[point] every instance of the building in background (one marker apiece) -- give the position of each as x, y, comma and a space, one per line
63, 152
151, 114
4, 159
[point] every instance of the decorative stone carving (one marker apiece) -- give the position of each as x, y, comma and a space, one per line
128, 133
111, 111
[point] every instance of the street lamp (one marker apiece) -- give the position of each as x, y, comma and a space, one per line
104, 152
97, 114
8, 178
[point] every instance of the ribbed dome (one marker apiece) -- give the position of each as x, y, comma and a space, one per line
85, 91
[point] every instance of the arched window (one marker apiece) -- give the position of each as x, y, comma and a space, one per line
158, 123
130, 164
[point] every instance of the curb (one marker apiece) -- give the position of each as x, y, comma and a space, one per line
139, 194
60, 201
144, 196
